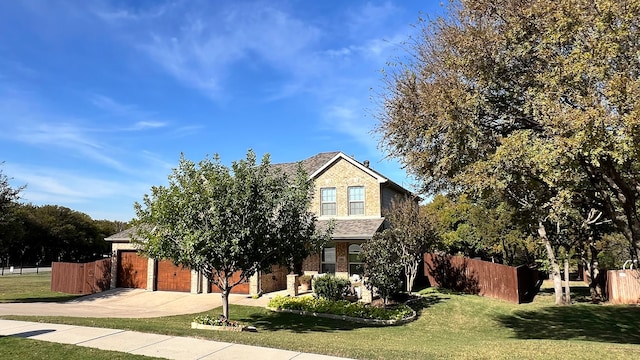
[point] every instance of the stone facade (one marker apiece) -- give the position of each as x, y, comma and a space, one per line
341, 176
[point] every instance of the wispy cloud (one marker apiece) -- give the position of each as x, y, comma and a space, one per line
128, 112
347, 118
25, 120
199, 43
53, 185
77, 190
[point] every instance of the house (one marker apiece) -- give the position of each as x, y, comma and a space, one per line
347, 191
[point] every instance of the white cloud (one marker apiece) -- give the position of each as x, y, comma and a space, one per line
51, 186
347, 118
199, 43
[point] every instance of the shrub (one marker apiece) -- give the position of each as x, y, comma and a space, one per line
340, 307
331, 287
216, 321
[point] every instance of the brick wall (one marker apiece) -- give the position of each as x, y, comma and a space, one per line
275, 280
311, 264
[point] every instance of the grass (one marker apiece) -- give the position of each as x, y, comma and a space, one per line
19, 348
29, 288
449, 326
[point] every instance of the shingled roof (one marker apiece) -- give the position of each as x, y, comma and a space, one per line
310, 165
352, 229
123, 236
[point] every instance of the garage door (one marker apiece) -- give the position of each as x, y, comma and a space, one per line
172, 278
238, 289
132, 270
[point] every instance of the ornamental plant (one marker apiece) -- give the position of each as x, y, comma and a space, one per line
340, 307
215, 321
331, 288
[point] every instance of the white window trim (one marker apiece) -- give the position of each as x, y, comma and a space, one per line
349, 201
335, 202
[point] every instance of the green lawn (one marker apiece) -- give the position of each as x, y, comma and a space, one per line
18, 348
29, 288
449, 326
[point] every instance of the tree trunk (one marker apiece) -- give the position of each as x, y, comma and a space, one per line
224, 293
555, 269
411, 272
567, 289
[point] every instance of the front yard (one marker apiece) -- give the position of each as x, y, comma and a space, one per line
449, 326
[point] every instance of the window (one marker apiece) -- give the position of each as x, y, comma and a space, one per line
355, 260
356, 200
329, 259
328, 201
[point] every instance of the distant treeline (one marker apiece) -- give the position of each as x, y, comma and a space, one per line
38, 235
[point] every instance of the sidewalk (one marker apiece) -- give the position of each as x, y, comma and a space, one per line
133, 342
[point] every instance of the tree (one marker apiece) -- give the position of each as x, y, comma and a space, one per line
563, 74
412, 233
221, 221
535, 100
8, 199
382, 269
487, 228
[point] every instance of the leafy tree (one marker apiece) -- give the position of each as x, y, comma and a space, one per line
533, 100
382, 269
219, 220
8, 200
486, 228
412, 233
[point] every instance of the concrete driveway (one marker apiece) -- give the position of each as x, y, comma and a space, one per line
130, 303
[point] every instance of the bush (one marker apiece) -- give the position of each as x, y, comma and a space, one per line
331, 288
340, 307
215, 321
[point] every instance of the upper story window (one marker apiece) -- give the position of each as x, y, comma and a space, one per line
328, 201
356, 200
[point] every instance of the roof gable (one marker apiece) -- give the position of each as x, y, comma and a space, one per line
352, 161
316, 164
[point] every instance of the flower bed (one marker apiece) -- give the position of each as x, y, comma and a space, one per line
343, 309
207, 322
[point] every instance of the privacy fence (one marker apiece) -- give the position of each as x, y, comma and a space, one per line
514, 284
623, 286
81, 278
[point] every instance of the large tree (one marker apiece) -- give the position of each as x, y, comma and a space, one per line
565, 73
221, 221
533, 99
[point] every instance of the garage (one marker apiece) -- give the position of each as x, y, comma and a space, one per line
132, 270
172, 278
238, 289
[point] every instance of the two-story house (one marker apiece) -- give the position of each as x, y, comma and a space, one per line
347, 191
355, 197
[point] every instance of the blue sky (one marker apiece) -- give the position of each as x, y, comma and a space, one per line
99, 98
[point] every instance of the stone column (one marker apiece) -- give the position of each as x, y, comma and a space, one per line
292, 284
254, 284
151, 274
367, 295
114, 269
195, 282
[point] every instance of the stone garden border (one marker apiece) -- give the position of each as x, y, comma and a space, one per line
350, 318
195, 325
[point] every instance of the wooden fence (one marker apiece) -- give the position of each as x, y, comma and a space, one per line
81, 278
623, 286
514, 284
